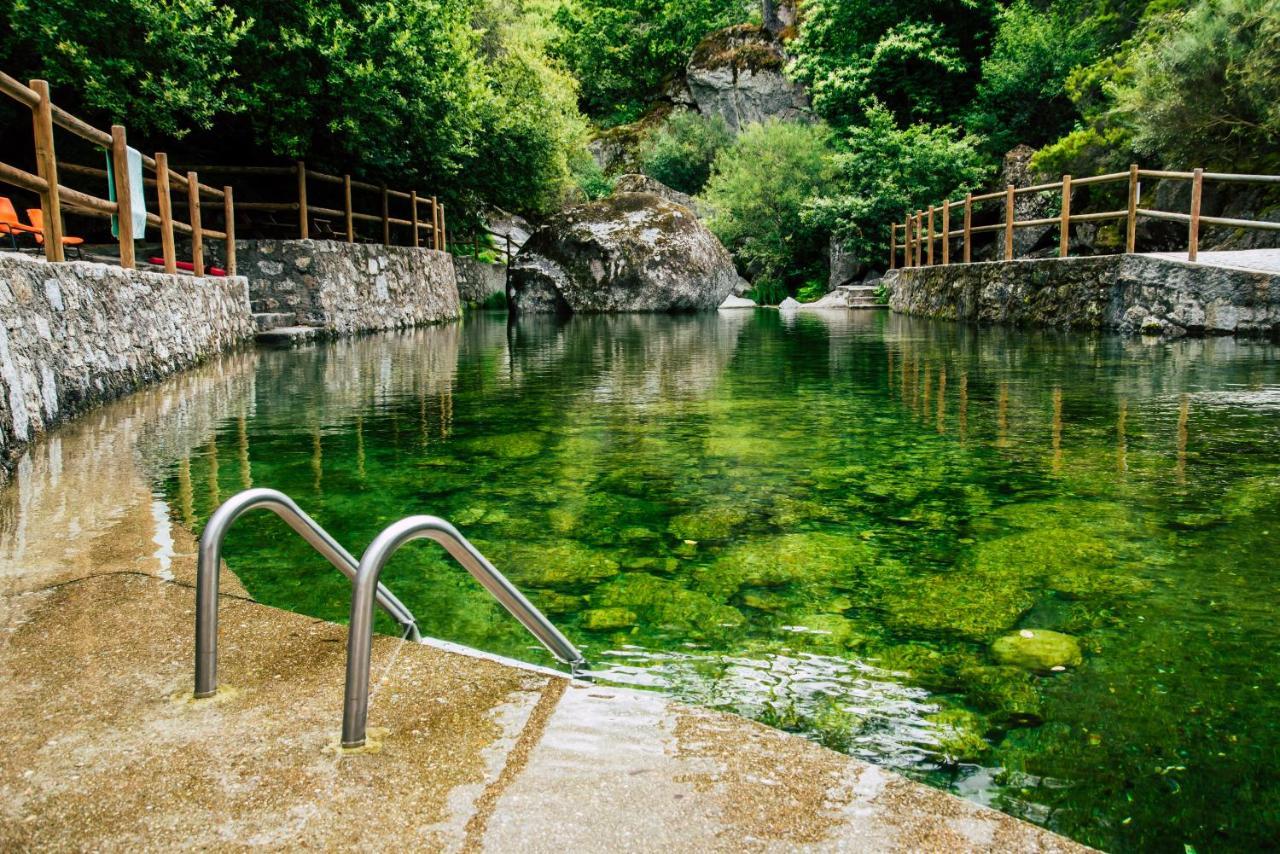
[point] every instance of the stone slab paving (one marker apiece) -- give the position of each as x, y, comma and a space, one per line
105, 750
1266, 260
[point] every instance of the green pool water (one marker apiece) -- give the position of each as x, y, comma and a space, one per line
824, 523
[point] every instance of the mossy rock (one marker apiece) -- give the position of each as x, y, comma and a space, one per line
554, 602
824, 631
802, 559
1038, 650
1008, 695
608, 619
960, 735
709, 523
560, 565
512, 446
667, 603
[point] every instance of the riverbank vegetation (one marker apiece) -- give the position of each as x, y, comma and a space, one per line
493, 102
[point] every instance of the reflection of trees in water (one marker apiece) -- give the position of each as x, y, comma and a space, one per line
631, 358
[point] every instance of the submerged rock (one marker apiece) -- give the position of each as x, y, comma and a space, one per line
629, 252
737, 73
1038, 649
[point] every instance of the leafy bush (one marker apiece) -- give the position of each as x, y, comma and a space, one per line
622, 51
1022, 97
590, 178
680, 153
919, 59
758, 189
1205, 89
885, 171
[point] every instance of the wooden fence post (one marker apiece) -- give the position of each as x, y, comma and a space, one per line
47, 168
1064, 230
1131, 224
968, 225
1008, 223
435, 224
197, 238
386, 218
444, 230
413, 217
893, 246
229, 214
124, 195
346, 200
946, 233
304, 225
1193, 229
165, 198
929, 253
919, 235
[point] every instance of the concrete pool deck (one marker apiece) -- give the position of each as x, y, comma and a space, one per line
106, 750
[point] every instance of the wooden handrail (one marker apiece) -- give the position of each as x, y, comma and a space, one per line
919, 235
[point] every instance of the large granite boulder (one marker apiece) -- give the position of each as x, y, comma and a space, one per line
736, 73
629, 252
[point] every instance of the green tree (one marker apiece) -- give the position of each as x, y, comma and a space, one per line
1205, 89
884, 172
163, 67
1022, 96
680, 153
623, 51
758, 188
921, 60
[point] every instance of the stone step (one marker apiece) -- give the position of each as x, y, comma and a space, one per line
266, 320
290, 336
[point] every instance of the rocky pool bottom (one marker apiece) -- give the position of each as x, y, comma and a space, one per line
1035, 570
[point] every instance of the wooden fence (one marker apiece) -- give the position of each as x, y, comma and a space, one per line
56, 197
919, 236
432, 221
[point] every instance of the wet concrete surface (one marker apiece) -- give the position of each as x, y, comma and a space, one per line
106, 749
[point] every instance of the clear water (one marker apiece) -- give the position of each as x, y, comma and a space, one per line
823, 522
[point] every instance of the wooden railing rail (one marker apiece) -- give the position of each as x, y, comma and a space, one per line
425, 214
56, 197
919, 235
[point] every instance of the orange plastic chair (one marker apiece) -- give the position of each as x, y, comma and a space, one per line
10, 224
37, 219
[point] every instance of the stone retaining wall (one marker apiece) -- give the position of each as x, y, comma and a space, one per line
477, 281
1125, 293
348, 288
76, 333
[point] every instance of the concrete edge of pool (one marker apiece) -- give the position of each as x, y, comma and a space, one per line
469, 752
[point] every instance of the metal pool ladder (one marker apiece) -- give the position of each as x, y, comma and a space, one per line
367, 590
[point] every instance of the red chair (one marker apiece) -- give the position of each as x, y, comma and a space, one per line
37, 219
10, 224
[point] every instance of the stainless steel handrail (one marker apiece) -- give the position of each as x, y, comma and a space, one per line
210, 560
355, 711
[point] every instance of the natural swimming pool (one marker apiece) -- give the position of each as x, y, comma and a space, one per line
823, 522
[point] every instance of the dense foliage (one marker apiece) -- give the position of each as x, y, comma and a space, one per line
919, 59
680, 153
623, 51
759, 187
458, 94
884, 170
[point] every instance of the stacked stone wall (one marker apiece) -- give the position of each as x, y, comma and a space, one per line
76, 333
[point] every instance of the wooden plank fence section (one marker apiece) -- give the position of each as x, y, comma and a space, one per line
425, 212
307, 210
913, 226
55, 197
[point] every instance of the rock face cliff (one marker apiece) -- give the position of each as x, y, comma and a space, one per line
736, 73
629, 252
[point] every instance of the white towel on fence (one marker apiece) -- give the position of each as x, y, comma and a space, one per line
137, 192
